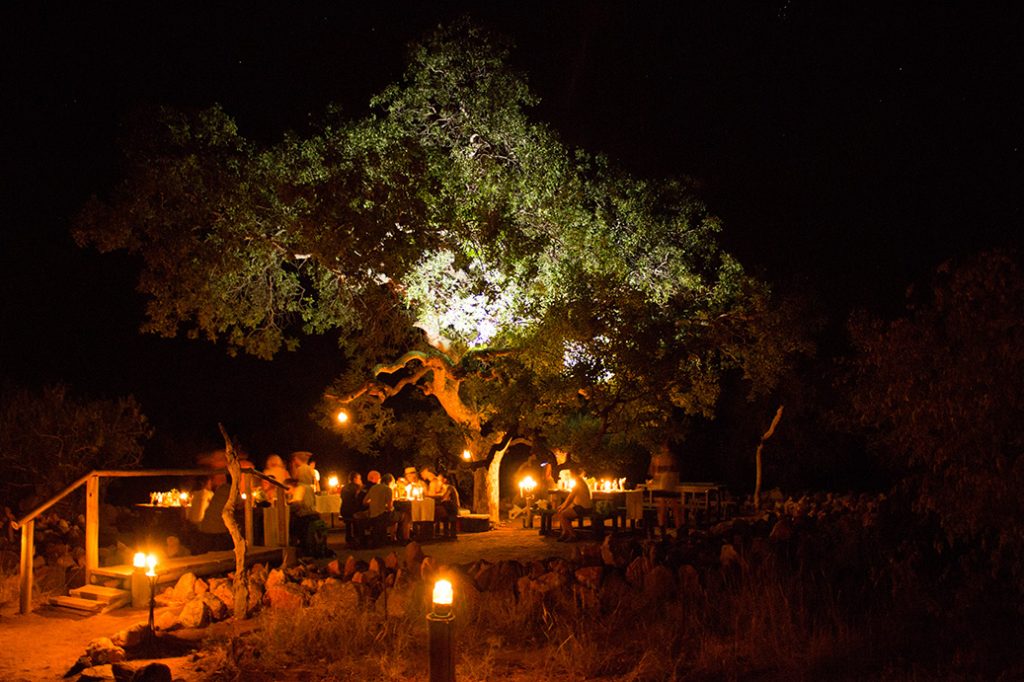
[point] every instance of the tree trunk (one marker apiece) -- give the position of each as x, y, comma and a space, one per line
757, 457
241, 586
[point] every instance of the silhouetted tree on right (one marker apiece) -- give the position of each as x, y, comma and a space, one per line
942, 392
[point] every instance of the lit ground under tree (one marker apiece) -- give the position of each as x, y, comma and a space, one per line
459, 250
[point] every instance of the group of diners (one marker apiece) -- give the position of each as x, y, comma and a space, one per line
381, 510
300, 480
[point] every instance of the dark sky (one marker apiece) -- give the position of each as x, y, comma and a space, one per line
849, 146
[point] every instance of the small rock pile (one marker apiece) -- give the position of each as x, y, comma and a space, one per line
59, 552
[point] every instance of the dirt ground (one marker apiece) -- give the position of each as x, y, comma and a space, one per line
46, 643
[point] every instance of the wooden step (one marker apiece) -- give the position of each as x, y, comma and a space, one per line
105, 595
90, 605
114, 571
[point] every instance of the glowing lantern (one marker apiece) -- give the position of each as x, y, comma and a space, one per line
332, 482
139, 560
151, 565
467, 455
342, 417
527, 485
443, 597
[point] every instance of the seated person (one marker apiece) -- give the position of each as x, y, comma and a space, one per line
379, 502
576, 504
432, 482
447, 506
302, 502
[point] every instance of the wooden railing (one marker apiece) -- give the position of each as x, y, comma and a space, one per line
92, 517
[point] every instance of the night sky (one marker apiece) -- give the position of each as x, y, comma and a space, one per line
849, 148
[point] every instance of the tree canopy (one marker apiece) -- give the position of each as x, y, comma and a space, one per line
50, 437
941, 389
457, 247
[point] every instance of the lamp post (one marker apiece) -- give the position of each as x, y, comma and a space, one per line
439, 624
151, 574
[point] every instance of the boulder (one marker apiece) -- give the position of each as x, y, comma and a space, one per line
484, 573
350, 567
391, 562
728, 557
275, 577
659, 583
218, 609
334, 569
615, 590
782, 531
427, 568
506, 573
284, 596
689, 581
195, 614
102, 650
340, 596
226, 595
589, 553
153, 672
184, 589
97, 673
123, 672
615, 552
590, 576
166, 620
201, 587
413, 555
637, 569
132, 636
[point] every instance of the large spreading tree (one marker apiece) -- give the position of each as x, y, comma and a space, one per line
461, 252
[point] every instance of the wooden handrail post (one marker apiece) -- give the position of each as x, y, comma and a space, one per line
247, 489
28, 530
282, 520
92, 527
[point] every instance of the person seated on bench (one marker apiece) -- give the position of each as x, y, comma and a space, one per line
379, 502
576, 504
447, 505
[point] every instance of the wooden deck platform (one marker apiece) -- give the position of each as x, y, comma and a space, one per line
200, 564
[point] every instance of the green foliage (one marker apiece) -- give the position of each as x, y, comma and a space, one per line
48, 438
943, 389
446, 219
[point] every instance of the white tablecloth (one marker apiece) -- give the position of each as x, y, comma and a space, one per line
634, 505
328, 504
422, 510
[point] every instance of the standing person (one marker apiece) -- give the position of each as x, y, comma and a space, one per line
351, 503
664, 474
275, 469
311, 463
577, 503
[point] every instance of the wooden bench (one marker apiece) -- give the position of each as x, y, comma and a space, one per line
597, 520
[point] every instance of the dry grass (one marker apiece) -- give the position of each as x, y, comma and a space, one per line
759, 626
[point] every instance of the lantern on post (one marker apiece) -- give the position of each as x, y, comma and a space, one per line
439, 624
